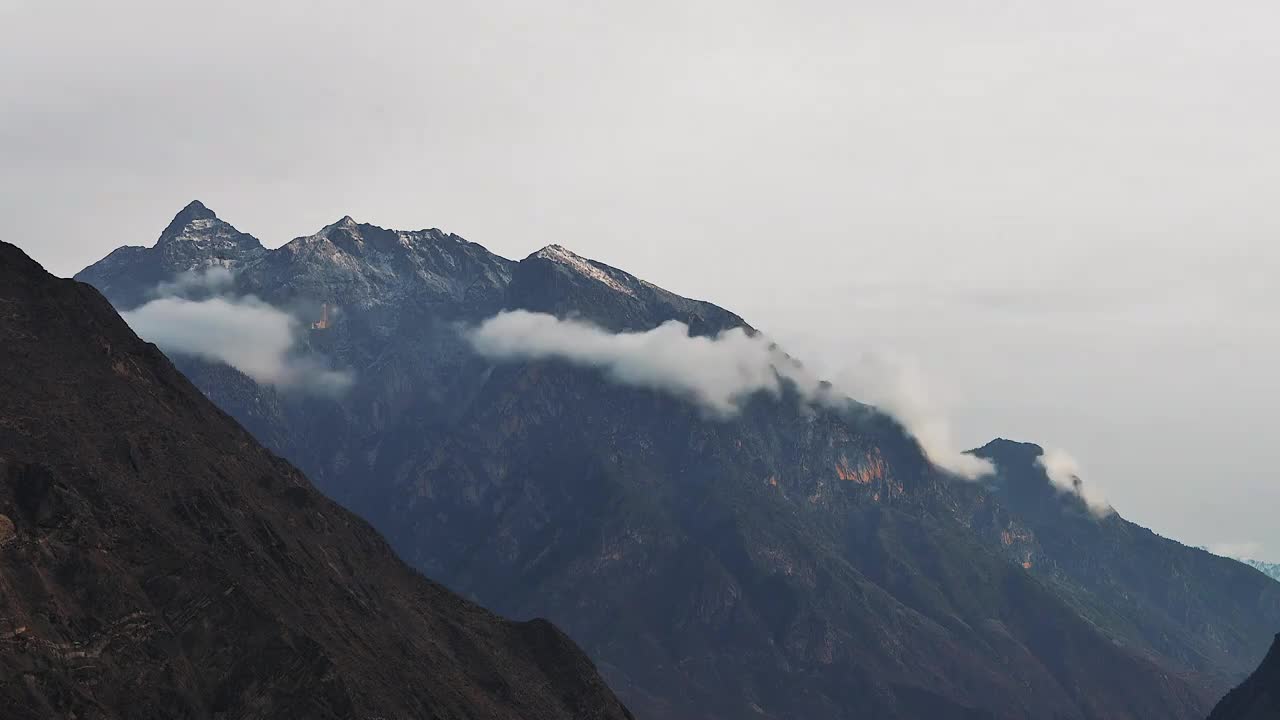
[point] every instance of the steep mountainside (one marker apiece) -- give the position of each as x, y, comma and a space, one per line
1258, 697
1148, 589
786, 562
1271, 570
156, 562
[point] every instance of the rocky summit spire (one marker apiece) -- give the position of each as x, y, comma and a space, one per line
196, 236
195, 210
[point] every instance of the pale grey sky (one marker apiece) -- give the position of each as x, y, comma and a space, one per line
1066, 212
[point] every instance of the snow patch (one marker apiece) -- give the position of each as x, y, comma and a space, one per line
582, 266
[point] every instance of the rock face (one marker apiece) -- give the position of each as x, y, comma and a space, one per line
156, 562
194, 241
1185, 604
783, 563
1258, 698
1271, 570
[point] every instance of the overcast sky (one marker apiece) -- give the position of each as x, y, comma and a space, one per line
1067, 213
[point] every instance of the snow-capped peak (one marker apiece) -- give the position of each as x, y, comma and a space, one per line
195, 213
197, 233
582, 266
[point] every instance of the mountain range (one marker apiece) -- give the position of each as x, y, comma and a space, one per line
787, 560
157, 562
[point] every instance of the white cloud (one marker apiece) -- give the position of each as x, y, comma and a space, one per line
898, 386
1239, 550
246, 333
1064, 472
718, 373
214, 279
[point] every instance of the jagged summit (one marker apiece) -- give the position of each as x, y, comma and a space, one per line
347, 230
347, 225
350, 229
350, 237
194, 240
554, 250
195, 210
560, 253
589, 268
197, 229
558, 281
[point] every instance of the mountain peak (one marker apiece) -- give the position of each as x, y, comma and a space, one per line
196, 234
1009, 450
1016, 461
195, 210
553, 250
347, 226
561, 254
565, 257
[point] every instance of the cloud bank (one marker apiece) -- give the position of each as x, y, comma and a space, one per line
719, 373
1064, 473
246, 333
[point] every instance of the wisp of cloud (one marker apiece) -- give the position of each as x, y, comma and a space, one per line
246, 333
1064, 473
898, 387
719, 373
214, 280
1239, 550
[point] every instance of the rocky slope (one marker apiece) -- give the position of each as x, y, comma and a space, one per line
782, 563
1271, 570
156, 562
1258, 697
1185, 604
196, 238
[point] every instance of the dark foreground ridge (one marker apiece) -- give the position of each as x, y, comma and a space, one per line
1258, 698
156, 562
